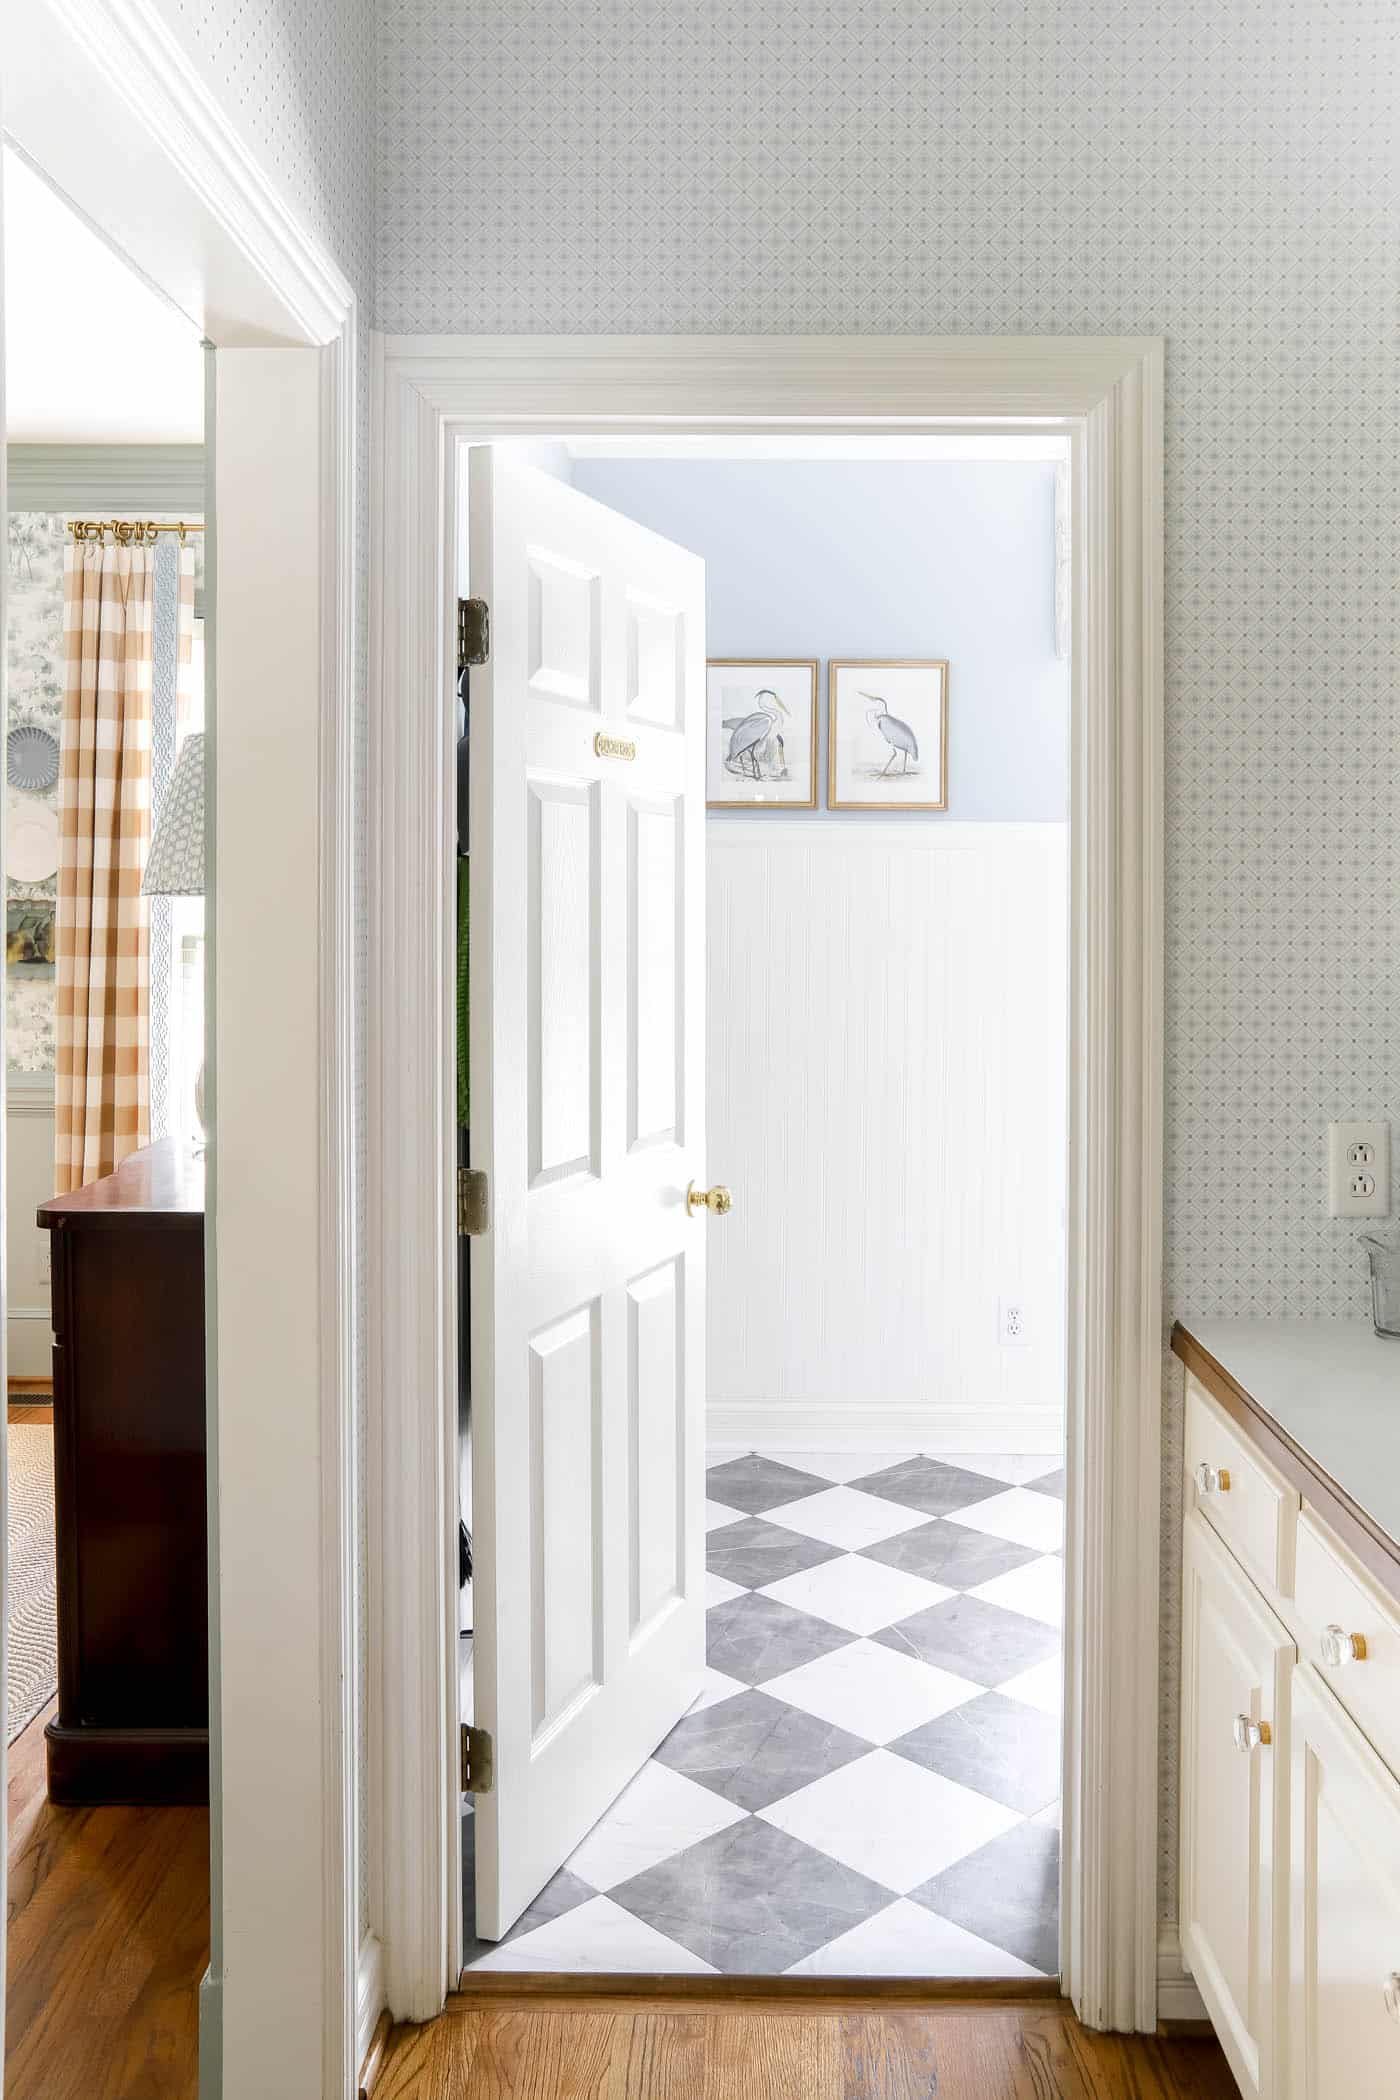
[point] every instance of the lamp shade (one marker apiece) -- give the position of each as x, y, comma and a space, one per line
175, 863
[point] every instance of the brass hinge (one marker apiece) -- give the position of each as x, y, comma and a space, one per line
476, 1760
473, 632
471, 1202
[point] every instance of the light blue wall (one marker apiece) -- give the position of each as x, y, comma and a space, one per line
885, 558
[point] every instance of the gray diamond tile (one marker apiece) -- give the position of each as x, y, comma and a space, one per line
755, 1553
1007, 1892
1050, 1484
754, 1638
930, 1485
751, 1899
952, 1554
754, 1484
756, 1750
1000, 1747
973, 1639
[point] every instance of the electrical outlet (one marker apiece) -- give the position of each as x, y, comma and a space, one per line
1013, 1328
1358, 1170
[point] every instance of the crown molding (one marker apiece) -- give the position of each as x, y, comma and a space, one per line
108, 478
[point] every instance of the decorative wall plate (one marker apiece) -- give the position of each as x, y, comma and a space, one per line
31, 758
32, 852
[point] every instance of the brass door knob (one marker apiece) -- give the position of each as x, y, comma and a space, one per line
716, 1200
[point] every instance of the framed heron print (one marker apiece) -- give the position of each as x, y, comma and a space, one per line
887, 733
761, 751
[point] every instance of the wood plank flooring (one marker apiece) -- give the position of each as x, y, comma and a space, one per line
524, 2050
108, 1938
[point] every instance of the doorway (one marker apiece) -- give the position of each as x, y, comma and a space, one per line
868, 1780
1104, 396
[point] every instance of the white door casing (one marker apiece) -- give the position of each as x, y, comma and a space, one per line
437, 394
1344, 1936
587, 1037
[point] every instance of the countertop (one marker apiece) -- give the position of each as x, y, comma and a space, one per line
162, 1183
1333, 1388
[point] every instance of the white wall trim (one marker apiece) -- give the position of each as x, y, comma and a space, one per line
369, 1995
883, 1425
108, 478
1106, 394
1177, 1995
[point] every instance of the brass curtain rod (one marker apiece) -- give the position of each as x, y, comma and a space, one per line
125, 530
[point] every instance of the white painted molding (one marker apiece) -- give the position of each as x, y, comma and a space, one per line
108, 478
97, 84
883, 1425
1177, 1995
34, 1103
369, 1995
1106, 395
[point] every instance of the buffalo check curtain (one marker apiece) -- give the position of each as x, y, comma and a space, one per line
101, 1106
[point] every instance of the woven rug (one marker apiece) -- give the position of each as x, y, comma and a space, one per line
32, 1674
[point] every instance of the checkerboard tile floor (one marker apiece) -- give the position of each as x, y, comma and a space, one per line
867, 1784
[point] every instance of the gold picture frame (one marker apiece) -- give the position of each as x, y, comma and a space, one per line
919, 728
721, 763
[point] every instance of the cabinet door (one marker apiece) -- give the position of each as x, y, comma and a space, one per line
1345, 1907
1236, 1661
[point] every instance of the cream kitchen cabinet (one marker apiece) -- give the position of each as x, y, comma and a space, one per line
1236, 1662
1344, 1923
1290, 1739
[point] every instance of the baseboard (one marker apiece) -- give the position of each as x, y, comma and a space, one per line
369, 1996
882, 1425
1177, 1996
211, 2036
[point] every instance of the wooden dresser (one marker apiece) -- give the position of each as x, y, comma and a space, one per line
129, 1484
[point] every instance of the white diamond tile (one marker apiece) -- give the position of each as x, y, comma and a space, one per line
871, 1690
716, 1515
1043, 1685
661, 1812
861, 1595
841, 1466
718, 1590
716, 1687
846, 1516
598, 1937
907, 1940
1037, 1589
996, 1466
890, 1819
1019, 1514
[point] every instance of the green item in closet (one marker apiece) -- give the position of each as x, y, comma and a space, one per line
464, 1096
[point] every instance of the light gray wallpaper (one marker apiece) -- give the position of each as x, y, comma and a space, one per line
1221, 173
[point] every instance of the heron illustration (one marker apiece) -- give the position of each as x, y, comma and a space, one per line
749, 733
901, 739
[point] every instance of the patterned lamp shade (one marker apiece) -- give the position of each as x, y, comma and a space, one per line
175, 863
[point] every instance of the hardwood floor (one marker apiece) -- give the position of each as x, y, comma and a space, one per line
524, 2050
108, 1938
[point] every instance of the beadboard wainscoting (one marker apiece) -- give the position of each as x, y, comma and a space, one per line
887, 1086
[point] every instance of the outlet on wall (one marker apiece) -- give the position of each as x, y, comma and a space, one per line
1358, 1170
1013, 1325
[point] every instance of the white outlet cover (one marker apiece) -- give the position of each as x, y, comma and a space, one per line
1358, 1170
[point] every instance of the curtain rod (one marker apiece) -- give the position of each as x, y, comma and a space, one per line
124, 530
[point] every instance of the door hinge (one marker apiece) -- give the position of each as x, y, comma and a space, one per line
476, 1760
472, 1205
473, 632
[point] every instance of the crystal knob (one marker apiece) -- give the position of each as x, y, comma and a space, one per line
1250, 1734
1391, 1993
1212, 1480
1340, 1647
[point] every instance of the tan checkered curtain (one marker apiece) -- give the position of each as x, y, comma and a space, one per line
101, 1107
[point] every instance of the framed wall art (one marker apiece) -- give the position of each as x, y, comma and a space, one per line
761, 739
887, 733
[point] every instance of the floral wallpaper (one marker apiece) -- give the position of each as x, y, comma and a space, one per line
34, 648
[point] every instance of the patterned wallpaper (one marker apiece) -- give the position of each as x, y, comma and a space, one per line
1222, 175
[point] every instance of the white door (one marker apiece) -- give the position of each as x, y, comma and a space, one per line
588, 1089
1345, 1909
1236, 1660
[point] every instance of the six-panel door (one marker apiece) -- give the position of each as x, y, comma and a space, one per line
1236, 1658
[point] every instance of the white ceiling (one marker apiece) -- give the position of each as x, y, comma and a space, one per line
92, 355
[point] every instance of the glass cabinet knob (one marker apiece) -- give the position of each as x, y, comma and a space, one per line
1340, 1647
1250, 1734
1212, 1480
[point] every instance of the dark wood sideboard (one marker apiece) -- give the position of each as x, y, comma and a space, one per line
129, 1484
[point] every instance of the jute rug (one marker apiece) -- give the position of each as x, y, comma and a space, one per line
32, 1672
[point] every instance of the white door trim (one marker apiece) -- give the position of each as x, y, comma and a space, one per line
91, 85
431, 394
